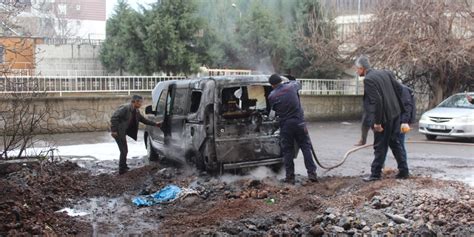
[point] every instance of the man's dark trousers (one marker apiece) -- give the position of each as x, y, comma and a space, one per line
122, 144
388, 138
295, 130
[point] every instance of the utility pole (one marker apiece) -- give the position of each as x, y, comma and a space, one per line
240, 13
358, 16
358, 32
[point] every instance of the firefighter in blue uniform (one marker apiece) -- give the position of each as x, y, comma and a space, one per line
285, 102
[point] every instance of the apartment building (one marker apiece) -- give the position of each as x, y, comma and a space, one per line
83, 19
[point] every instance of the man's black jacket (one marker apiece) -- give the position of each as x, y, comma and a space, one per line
383, 94
125, 120
408, 100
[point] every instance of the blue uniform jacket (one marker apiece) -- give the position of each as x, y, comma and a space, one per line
285, 102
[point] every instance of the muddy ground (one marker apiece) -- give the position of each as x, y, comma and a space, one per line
253, 204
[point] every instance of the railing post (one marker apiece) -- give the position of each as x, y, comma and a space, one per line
357, 84
60, 87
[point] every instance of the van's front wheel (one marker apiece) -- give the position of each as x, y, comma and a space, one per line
276, 168
151, 152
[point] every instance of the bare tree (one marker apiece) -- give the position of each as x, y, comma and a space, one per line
20, 117
55, 15
20, 120
428, 43
318, 42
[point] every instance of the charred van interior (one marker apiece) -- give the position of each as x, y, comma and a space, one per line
247, 107
242, 101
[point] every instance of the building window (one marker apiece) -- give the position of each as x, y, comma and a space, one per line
62, 9
2, 54
195, 101
78, 7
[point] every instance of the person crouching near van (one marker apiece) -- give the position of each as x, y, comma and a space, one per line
124, 122
285, 102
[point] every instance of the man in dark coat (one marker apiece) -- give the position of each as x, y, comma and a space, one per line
408, 116
284, 100
124, 122
385, 106
366, 123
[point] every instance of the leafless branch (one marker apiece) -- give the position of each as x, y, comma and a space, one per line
429, 43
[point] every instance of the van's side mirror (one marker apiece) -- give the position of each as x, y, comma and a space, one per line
149, 110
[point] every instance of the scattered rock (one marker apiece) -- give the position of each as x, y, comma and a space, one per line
331, 217
316, 231
262, 194
338, 229
345, 223
318, 219
253, 183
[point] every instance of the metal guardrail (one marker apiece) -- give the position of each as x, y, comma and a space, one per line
93, 84
226, 72
60, 73
129, 84
331, 87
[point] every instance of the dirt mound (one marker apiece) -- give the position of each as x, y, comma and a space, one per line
31, 194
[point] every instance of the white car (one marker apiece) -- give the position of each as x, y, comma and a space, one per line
454, 117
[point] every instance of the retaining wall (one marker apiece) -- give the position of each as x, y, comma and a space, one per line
81, 114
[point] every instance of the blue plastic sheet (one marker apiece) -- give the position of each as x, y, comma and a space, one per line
166, 194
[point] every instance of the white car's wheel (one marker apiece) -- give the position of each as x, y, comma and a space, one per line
430, 137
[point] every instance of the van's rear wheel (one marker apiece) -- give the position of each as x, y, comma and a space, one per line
152, 154
198, 160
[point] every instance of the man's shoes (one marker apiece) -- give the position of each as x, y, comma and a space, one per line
124, 170
289, 180
402, 176
371, 178
312, 177
360, 143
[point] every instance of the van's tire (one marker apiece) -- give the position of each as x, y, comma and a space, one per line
199, 161
196, 159
430, 137
153, 156
276, 167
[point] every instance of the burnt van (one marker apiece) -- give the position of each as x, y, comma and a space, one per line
217, 123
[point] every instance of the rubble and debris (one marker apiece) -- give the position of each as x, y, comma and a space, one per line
166, 195
30, 197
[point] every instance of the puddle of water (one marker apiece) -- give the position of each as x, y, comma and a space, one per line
469, 180
73, 212
115, 215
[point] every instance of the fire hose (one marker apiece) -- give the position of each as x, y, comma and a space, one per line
344, 159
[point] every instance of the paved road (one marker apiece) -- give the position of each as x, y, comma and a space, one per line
331, 141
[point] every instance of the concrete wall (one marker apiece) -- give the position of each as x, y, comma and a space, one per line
81, 114
68, 60
331, 107
74, 114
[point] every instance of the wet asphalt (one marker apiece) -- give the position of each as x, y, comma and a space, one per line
452, 160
